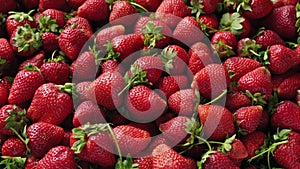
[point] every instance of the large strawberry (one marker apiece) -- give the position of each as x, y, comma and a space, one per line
236, 100
82, 24
13, 147
267, 38
203, 7
200, 56
18, 19
171, 84
121, 9
107, 34
224, 43
90, 10
51, 104
37, 61
57, 16
254, 142
287, 89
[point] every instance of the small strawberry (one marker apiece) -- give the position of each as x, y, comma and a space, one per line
75, 4
255, 9
25, 84
236, 100
217, 121
48, 4
81, 89
90, 10
17, 19
143, 162
209, 23
50, 42
42, 137
287, 89
248, 47
8, 5
224, 43
51, 104
121, 9
56, 15
238, 150
30, 4
3, 95
268, 38
82, 24
107, 34
59, 157
216, 159
171, 84
211, 81
13, 147
254, 142
200, 56
36, 61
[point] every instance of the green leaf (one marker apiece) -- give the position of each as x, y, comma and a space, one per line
12, 162
152, 34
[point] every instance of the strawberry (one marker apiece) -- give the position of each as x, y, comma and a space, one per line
82, 24
140, 101
131, 140
199, 57
236, 100
59, 157
238, 150
66, 139
208, 23
224, 43
3, 95
184, 102
248, 118
13, 147
256, 9
282, 20
257, 81
48, 4
90, 10
121, 9
286, 115
170, 12
289, 86
282, 59
150, 6
57, 15
268, 38
51, 104
280, 3
171, 84
211, 81
254, 142
36, 61
7, 57
71, 41
188, 31
107, 34
55, 70
165, 157
75, 4
50, 42
26, 82
216, 159
88, 112
164, 118
143, 162
17, 19
42, 137
30, 4
222, 124
264, 121
247, 47
8, 5
111, 65
91, 143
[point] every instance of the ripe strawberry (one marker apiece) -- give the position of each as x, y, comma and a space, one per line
8, 5
280, 3
42, 137
6, 54
289, 86
26, 82
184, 102
238, 150
90, 10
13, 147
199, 57
247, 47
171, 84
286, 115
217, 159
6, 82
257, 81
36, 61
217, 121
127, 44
150, 6
254, 142
59, 157
256, 9
224, 43
188, 31
268, 38
51, 104
168, 8
282, 59
111, 65
237, 100
30, 4
211, 81
48, 4
209, 23
121, 9
82, 24
164, 118
165, 157
57, 15
71, 41
17, 19
88, 112
3, 95
140, 103
248, 118
144, 162
50, 42
131, 140
107, 34
282, 20
75, 4
239, 66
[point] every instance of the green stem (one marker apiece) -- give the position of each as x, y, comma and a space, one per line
217, 98
117, 144
22, 139
206, 142
139, 6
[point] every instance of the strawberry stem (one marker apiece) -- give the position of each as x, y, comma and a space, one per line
24, 139
138, 7
217, 98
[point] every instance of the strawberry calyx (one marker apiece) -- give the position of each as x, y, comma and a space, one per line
12, 162
298, 21
232, 22
256, 98
196, 7
21, 16
250, 48
46, 24
22, 135
3, 61
111, 54
30, 67
26, 38
273, 102
152, 34
59, 58
206, 29
167, 55
223, 50
205, 156
17, 119
243, 5
2, 19
226, 146
137, 6
263, 57
69, 88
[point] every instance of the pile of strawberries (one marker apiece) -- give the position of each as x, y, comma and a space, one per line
206, 84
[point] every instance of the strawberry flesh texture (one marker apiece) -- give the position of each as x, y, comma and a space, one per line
13, 147
182, 102
253, 142
218, 160
260, 9
90, 10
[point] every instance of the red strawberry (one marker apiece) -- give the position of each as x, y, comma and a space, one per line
42, 137
17, 19
48, 4
143, 162
36, 61
217, 159
88, 112
264, 121
237, 100
238, 150
59, 157
121, 9
248, 118
248, 47
254, 142
224, 43
188, 31
7, 57
209, 23
171, 84
170, 12
282, 20
13, 147
50, 104
90, 10
26, 82
140, 103
74, 4
206, 6
282, 59
50, 42
211, 81
30, 4
3, 95
289, 86
199, 57
57, 15
82, 24
268, 38
217, 121
71, 41
183, 102
107, 34
8, 5
150, 6
256, 9
111, 65
66, 139
280, 3
31, 162
286, 115
257, 81
239, 66
164, 118
131, 140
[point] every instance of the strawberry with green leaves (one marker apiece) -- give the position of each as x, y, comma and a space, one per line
216, 159
7, 57
203, 7
122, 9
107, 34
255, 9
53, 16
247, 47
224, 43
253, 142
17, 19
81, 23
267, 38
209, 23
37, 61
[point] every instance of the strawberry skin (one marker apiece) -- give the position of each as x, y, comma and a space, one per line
268, 38
260, 9
143, 162
59, 157
5, 113
199, 57
6, 54
180, 61
171, 84
237, 100
57, 15
218, 160
84, 67
8, 5
289, 86
183, 102
42, 137
121, 9
82, 24
107, 34
56, 72
13, 147
151, 6
90, 10
253, 142
37, 60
